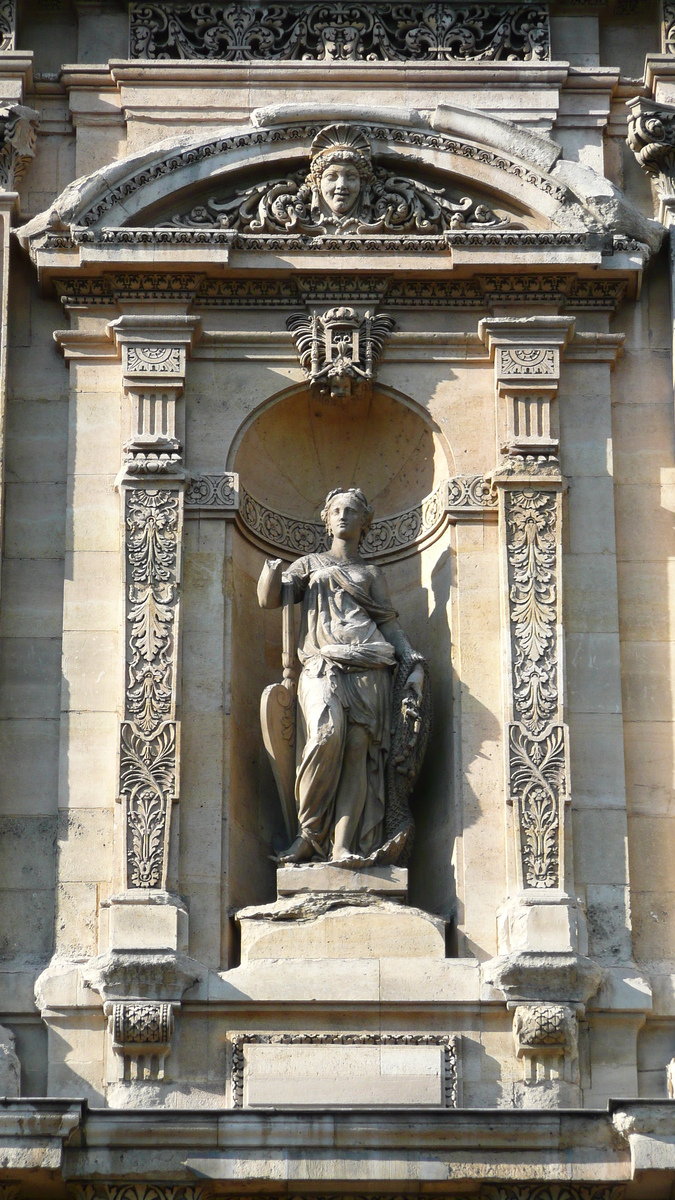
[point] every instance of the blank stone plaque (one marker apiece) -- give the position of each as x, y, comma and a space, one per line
302, 1075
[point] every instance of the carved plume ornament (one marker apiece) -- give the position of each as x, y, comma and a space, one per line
343, 193
339, 350
344, 31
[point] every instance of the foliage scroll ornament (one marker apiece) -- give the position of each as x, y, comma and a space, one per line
344, 31
531, 518
537, 780
389, 135
651, 137
148, 749
537, 744
344, 192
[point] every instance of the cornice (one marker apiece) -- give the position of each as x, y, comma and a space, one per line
457, 74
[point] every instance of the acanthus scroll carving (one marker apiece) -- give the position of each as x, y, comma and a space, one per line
531, 518
537, 780
344, 31
345, 192
148, 749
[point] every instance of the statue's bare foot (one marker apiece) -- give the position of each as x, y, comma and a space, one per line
300, 851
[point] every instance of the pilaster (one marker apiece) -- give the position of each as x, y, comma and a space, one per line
542, 968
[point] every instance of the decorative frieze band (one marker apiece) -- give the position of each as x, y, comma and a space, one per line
352, 31
565, 291
487, 1191
130, 1190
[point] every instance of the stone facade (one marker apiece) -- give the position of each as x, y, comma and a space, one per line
202, 336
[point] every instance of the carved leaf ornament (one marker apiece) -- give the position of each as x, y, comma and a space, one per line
148, 734
537, 780
342, 31
531, 519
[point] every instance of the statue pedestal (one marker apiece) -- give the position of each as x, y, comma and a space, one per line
389, 882
324, 911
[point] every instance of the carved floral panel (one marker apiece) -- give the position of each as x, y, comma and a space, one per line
343, 31
148, 736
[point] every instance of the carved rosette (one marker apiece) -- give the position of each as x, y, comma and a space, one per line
152, 483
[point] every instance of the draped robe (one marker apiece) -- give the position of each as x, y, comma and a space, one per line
344, 702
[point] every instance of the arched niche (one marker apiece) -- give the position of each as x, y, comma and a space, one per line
289, 455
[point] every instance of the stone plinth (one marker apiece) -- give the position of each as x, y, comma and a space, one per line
319, 925
390, 882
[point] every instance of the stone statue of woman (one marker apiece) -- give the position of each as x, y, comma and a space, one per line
363, 704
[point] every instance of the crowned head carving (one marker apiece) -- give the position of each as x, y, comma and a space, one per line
341, 168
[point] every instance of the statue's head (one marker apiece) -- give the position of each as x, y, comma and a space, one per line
341, 165
345, 508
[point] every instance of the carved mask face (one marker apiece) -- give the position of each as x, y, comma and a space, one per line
346, 517
340, 187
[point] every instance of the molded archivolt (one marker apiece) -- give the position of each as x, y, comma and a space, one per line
527, 184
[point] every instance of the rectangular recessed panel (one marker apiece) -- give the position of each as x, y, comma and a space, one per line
307, 1075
